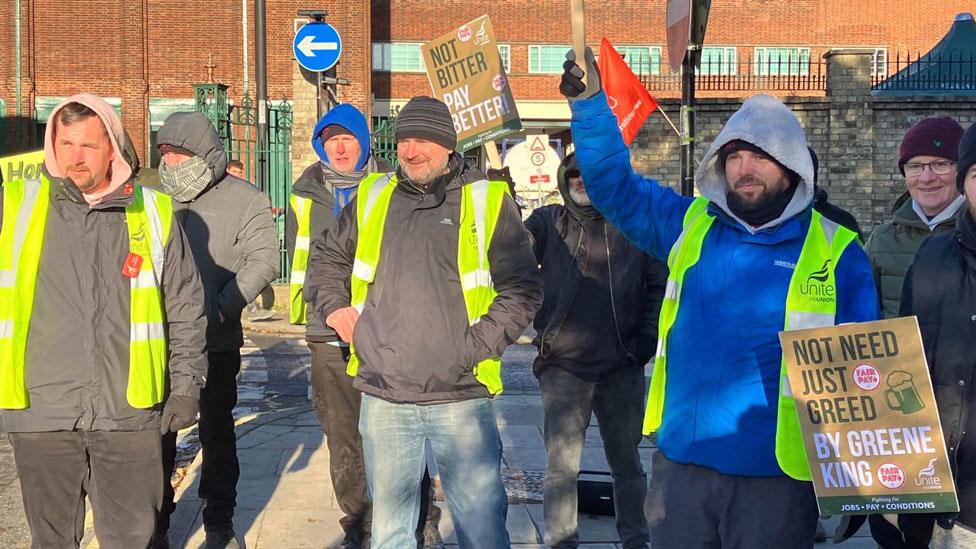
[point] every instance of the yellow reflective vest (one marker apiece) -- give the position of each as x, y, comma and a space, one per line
303, 213
149, 219
823, 246
481, 204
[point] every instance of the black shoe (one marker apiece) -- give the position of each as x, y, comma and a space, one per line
160, 540
354, 540
222, 538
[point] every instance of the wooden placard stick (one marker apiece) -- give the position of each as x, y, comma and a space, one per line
579, 35
494, 159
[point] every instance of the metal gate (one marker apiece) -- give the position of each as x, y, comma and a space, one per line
384, 136
237, 126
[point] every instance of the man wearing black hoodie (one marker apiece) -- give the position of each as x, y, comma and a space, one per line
235, 246
597, 327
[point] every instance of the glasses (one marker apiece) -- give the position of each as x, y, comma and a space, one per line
939, 167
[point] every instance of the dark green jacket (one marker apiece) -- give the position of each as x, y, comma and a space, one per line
892, 247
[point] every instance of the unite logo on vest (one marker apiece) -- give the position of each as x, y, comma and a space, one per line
818, 285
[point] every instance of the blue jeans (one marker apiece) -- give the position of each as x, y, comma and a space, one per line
468, 452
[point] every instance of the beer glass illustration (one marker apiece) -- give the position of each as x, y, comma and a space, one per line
901, 395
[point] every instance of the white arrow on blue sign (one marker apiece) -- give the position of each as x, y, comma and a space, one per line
317, 46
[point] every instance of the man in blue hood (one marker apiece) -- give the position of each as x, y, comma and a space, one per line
748, 258
342, 142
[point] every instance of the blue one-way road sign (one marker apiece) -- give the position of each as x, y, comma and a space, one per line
317, 46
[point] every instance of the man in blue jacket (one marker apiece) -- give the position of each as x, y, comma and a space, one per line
748, 259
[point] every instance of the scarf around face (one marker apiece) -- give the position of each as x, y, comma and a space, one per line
765, 212
186, 180
344, 185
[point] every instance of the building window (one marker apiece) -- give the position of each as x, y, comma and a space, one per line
505, 52
547, 58
782, 61
397, 57
641, 59
880, 64
718, 61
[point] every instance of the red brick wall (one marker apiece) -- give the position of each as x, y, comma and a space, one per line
97, 45
818, 24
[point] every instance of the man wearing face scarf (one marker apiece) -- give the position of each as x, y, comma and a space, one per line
90, 265
235, 245
748, 258
597, 328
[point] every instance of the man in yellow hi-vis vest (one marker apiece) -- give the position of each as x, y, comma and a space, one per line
101, 333
748, 258
429, 275
342, 142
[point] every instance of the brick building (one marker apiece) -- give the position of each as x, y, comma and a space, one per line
145, 54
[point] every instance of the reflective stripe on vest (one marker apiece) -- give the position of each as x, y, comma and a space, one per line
149, 220
481, 205
303, 213
823, 246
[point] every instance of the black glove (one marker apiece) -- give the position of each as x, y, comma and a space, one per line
179, 412
572, 82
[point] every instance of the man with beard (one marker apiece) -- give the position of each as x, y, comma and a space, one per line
341, 141
748, 258
597, 328
429, 276
235, 245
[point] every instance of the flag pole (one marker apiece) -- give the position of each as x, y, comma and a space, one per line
666, 117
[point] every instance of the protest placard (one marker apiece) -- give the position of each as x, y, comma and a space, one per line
22, 166
869, 419
465, 71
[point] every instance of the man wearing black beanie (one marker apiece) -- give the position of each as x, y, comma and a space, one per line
430, 275
939, 289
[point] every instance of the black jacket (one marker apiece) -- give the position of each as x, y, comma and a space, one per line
313, 185
602, 294
834, 213
412, 339
940, 289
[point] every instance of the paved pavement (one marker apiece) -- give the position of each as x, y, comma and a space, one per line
285, 498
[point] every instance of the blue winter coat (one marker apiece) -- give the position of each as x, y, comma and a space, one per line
723, 351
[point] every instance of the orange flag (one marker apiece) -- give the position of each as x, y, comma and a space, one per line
628, 98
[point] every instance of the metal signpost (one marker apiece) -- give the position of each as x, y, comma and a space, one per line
686, 21
317, 47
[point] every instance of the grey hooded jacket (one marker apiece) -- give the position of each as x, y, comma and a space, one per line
230, 229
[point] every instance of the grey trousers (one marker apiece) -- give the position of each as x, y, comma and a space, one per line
692, 507
567, 403
120, 471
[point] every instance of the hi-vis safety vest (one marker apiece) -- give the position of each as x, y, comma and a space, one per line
806, 307
149, 219
303, 213
481, 204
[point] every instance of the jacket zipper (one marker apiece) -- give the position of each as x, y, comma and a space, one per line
613, 307
579, 244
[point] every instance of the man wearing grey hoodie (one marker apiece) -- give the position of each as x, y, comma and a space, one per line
748, 258
235, 245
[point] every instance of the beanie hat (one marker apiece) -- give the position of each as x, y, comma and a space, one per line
937, 136
967, 156
427, 118
739, 145
333, 130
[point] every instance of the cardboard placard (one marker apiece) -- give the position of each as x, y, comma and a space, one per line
869, 419
22, 166
465, 72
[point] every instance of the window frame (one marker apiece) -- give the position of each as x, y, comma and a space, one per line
538, 48
732, 63
384, 61
761, 66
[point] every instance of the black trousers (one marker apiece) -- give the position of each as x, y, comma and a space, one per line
336, 404
119, 471
693, 507
218, 441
